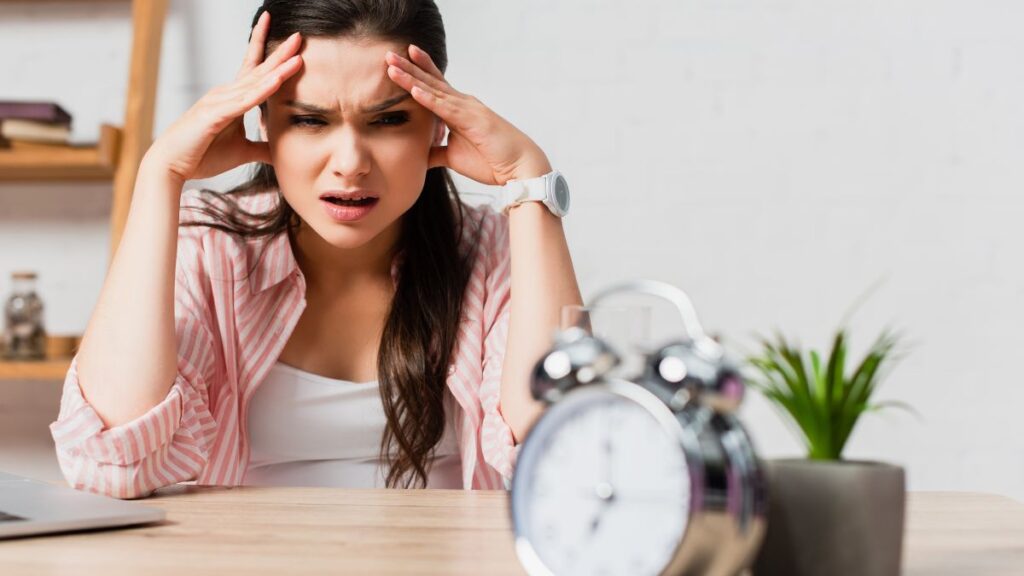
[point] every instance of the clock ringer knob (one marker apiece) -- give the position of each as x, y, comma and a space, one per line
576, 358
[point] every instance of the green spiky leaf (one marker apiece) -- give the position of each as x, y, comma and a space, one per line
820, 398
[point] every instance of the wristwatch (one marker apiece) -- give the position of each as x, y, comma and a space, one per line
551, 189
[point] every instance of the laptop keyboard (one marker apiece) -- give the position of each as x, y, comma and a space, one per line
5, 517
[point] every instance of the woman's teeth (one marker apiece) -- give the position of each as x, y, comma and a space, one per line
359, 202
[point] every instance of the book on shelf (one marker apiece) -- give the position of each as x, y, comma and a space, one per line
38, 110
32, 131
36, 122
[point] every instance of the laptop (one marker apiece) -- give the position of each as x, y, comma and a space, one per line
32, 507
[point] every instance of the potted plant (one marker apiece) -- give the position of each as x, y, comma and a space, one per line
828, 515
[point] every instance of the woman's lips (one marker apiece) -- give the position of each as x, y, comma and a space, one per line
341, 213
348, 194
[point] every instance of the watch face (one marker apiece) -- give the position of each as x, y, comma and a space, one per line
562, 193
601, 486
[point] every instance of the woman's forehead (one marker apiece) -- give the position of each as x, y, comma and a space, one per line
341, 74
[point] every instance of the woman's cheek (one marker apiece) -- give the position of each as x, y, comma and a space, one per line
293, 154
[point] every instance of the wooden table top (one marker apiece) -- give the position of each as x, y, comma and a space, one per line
255, 531
963, 534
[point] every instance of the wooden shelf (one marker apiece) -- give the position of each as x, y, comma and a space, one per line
50, 369
26, 162
115, 158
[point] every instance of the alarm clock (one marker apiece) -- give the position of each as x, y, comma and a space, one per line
646, 474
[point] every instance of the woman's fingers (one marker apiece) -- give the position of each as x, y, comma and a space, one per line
284, 51
450, 106
273, 80
261, 82
423, 60
269, 83
436, 83
241, 97
254, 55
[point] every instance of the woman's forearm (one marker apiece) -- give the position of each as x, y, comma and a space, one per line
543, 280
127, 361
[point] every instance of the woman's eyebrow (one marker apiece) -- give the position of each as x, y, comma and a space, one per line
379, 107
382, 106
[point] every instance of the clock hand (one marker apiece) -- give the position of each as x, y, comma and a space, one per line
608, 457
603, 490
595, 523
602, 509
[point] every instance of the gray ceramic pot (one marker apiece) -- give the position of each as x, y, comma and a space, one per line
836, 518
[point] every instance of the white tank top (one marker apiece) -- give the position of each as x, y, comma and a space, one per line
309, 430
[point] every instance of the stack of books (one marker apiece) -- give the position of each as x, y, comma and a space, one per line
37, 122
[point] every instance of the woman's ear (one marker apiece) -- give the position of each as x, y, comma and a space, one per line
261, 115
439, 130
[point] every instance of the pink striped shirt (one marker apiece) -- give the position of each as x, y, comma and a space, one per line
231, 329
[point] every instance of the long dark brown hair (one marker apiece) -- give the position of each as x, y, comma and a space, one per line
423, 321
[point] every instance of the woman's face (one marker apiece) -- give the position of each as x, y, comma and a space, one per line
340, 124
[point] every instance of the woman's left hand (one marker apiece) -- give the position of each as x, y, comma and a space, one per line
481, 145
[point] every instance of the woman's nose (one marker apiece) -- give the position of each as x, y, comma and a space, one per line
350, 157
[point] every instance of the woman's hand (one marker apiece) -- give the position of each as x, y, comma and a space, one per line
481, 145
210, 137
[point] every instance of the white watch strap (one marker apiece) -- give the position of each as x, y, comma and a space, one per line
515, 192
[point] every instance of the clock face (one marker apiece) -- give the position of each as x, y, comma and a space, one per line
602, 486
562, 193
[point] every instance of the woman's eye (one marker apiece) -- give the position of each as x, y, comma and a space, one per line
305, 121
395, 119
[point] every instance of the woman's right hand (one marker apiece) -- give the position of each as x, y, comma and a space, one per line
210, 137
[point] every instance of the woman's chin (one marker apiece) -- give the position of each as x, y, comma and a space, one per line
346, 236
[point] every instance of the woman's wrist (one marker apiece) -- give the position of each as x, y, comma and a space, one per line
534, 165
154, 169
534, 171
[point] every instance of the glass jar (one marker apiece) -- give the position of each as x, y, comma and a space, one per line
23, 320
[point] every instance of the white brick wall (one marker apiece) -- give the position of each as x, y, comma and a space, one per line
774, 158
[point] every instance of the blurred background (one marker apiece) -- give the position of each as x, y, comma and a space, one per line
778, 160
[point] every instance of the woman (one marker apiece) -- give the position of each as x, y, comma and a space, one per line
341, 319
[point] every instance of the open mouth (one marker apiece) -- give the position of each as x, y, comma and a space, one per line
361, 202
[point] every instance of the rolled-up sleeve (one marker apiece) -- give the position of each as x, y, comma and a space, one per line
168, 444
498, 444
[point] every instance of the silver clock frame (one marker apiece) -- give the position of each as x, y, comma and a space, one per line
728, 495
556, 415
716, 540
